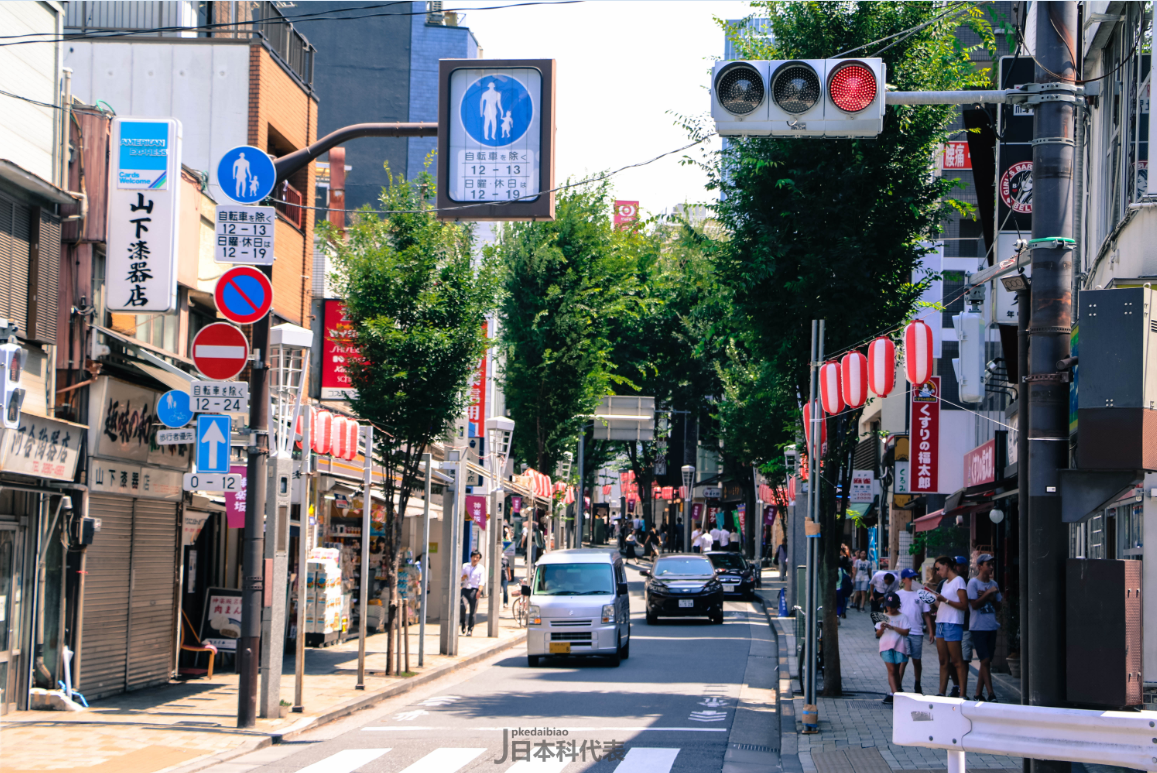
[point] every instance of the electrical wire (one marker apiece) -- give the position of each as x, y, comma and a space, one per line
26, 99
587, 181
914, 28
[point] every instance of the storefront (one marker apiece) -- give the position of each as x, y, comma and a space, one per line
128, 629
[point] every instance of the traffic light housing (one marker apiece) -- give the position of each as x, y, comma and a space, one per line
969, 366
799, 98
12, 358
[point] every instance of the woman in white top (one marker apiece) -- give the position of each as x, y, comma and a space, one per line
952, 600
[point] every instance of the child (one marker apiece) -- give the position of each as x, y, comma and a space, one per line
893, 635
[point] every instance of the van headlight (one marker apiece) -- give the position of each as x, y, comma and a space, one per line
535, 614
608, 613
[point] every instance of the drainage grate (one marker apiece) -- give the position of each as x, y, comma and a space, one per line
857, 704
750, 747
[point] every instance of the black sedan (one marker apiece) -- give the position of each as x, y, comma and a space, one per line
732, 569
683, 586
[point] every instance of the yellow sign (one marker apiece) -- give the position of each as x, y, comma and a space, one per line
433, 548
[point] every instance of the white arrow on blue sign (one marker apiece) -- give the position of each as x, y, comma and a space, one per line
213, 442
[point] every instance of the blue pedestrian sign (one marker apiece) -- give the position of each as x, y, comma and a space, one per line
174, 408
496, 110
246, 174
213, 433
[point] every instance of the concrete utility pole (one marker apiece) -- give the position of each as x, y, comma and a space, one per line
815, 432
1049, 331
578, 508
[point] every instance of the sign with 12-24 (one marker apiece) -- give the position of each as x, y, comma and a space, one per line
220, 396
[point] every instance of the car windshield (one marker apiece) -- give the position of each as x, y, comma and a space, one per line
574, 580
727, 561
683, 567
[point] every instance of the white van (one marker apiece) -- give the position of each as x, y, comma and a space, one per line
579, 606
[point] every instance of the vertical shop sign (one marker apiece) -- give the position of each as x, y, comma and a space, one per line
235, 502
477, 411
338, 349
476, 509
926, 437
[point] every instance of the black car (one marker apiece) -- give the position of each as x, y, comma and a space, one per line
683, 585
734, 572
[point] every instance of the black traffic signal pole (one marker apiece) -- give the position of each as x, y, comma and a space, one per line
1049, 330
253, 551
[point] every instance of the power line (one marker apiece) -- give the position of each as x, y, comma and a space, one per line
26, 99
913, 28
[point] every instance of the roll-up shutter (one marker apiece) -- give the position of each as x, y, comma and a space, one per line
151, 595
43, 276
104, 646
14, 254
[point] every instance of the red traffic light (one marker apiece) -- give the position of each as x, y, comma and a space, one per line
852, 87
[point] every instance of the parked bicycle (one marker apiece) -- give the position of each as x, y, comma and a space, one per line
521, 605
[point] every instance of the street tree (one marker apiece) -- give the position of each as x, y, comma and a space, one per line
832, 229
417, 302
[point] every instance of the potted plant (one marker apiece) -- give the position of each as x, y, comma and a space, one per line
283, 709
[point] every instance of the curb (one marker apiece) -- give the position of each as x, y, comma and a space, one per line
343, 710
789, 761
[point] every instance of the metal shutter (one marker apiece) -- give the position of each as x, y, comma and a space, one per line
151, 594
106, 591
44, 277
14, 246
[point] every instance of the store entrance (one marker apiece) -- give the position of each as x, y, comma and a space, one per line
9, 614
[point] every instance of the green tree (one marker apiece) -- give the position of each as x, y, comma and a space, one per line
832, 229
418, 305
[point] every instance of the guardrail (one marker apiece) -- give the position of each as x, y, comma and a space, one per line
1125, 738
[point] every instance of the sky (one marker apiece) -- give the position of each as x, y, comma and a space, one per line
622, 66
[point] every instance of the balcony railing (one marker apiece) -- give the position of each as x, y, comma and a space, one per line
181, 19
290, 205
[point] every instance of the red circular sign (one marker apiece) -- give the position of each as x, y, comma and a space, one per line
1016, 187
220, 351
244, 295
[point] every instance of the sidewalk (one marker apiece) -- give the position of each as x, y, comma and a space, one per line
856, 728
187, 726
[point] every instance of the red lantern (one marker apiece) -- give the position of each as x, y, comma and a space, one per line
339, 438
830, 397
882, 367
351, 446
301, 419
321, 436
854, 379
807, 421
918, 353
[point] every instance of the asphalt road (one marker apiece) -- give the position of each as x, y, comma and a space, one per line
669, 707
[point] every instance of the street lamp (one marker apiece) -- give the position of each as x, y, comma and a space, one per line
688, 484
499, 430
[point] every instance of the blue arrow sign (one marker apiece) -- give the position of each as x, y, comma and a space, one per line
246, 174
213, 442
173, 409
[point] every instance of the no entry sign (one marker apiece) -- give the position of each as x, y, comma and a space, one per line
220, 351
244, 295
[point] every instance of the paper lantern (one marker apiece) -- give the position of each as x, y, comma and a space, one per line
854, 379
882, 367
830, 397
351, 447
339, 437
606, 491
917, 353
807, 417
321, 436
297, 430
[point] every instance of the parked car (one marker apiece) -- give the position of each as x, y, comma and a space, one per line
579, 606
683, 585
732, 569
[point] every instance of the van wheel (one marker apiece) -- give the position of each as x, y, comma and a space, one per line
651, 619
533, 660
616, 659
625, 651
717, 618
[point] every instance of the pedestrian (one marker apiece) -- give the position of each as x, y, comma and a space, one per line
632, 541
919, 614
706, 540
985, 599
893, 632
715, 535
723, 541
473, 579
781, 558
677, 543
883, 582
966, 639
952, 599
506, 576
844, 585
861, 576
651, 543
695, 535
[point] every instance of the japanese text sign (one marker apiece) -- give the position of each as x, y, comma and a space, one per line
862, 482
476, 413
476, 509
235, 503
43, 448
980, 464
956, 156
143, 203
338, 349
925, 460
244, 235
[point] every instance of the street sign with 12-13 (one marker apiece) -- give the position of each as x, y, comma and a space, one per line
208, 481
176, 437
244, 235
220, 396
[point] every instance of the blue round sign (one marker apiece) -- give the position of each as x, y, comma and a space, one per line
246, 174
497, 110
174, 408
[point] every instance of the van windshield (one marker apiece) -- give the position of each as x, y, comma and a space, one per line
574, 580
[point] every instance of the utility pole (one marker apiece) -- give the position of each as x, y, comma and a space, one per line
814, 452
1049, 331
303, 541
579, 508
428, 463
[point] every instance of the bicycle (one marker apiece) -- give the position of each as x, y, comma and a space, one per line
520, 607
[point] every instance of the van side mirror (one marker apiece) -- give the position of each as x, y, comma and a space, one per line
621, 589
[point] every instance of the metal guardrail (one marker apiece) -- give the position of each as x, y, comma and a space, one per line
1125, 738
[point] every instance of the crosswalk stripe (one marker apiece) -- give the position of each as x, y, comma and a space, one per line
643, 760
445, 760
345, 761
538, 766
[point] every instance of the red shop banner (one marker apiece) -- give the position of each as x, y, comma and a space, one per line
476, 509
980, 465
338, 349
926, 437
476, 416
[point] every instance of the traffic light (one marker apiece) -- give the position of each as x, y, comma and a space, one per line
12, 358
969, 366
799, 98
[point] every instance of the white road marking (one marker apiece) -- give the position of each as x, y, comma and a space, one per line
640, 760
621, 728
708, 716
538, 766
345, 761
440, 700
410, 716
444, 760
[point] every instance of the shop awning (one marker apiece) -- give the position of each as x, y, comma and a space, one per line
927, 522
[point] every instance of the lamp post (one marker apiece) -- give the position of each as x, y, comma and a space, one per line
499, 430
688, 485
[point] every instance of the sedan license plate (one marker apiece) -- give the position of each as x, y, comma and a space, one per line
560, 648
686, 602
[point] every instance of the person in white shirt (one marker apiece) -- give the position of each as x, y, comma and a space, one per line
724, 539
695, 535
706, 540
919, 614
952, 599
715, 535
473, 579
